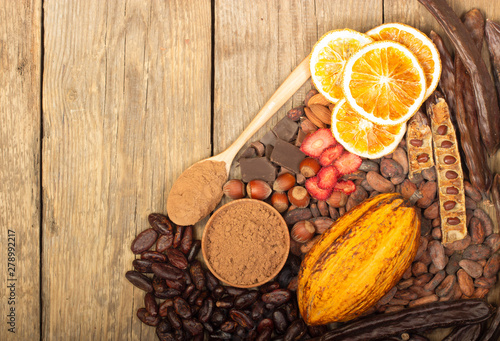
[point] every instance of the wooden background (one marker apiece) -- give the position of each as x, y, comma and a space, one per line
104, 103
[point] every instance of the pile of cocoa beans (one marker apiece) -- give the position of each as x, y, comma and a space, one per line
184, 301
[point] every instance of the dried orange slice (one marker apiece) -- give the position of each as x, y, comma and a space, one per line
384, 82
418, 43
362, 137
328, 58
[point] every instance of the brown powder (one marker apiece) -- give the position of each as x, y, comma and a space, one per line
196, 192
245, 243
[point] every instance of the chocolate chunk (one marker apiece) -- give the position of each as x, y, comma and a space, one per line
269, 138
287, 155
257, 168
300, 137
248, 153
269, 151
286, 129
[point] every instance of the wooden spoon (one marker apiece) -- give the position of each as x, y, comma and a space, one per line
186, 206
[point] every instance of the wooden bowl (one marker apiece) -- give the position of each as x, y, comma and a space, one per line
232, 205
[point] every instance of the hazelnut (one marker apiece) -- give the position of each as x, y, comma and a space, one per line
307, 246
337, 199
309, 167
258, 189
279, 201
234, 189
302, 231
284, 182
298, 196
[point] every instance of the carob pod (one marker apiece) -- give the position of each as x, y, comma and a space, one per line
466, 112
493, 331
492, 31
419, 138
486, 99
465, 333
447, 79
495, 194
424, 317
449, 172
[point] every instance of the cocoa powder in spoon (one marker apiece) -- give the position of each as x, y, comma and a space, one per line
196, 192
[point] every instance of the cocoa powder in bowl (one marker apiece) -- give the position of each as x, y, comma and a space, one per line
245, 243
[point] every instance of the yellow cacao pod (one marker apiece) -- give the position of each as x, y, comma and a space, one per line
358, 260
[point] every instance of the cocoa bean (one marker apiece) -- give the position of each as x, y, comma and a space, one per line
421, 292
470, 204
277, 297
429, 174
432, 212
436, 252
397, 180
368, 165
197, 275
164, 242
296, 330
493, 242
485, 219
379, 183
206, 310
459, 245
399, 155
405, 284
417, 178
357, 175
373, 194
154, 256
192, 326
187, 240
390, 168
366, 186
485, 282
178, 236
468, 216
144, 241
147, 318
436, 223
172, 317
350, 204
314, 210
139, 280
446, 286
321, 224
334, 213
426, 258
473, 269
433, 270
396, 301
309, 244
150, 304
476, 252
476, 231
279, 320
435, 281
241, 318
295, 113
161, 223
166, 271
436, 233
465, 282
428, 191
421, 248
394, 308
229, 326
246, 299
182, 308
193, 252
142, 265
177, 258
407, 189
423, 300
423, 279
471, 192
480, 293
405, 295
359, 194
177, 285
298, 214
323, 208
492, 266
268, 287
418, 268
168, 293
293, 285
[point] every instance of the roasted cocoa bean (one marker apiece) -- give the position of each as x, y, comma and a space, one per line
177, 258
265, 335
476, 252
206, 310
241, 318
229, 326
187, 240
192, 326
435, 281
405, 295
379, 183
493, 242
220, 335
430, 174
418, 268
193, 252
164, 327
322, 224
218, 317
423, 300
168, 293
159, 284
470, 204
147, 318
182, 308
459, 245
154, 256
174, 320
408, 188
160, 223
485, 219
473, 269
197, 275
405, 284
465, 282
166, 271
163, 308
150, 304
296, 330
280, 323
295, 113
446, 286
428, 191
423, 279
277, 297
432, 212
258, 309
296, 215
476, 231
225, 302
269, 286
218, 292
472, 192
323, 208
436, 251
436, 233
192, 298
485, 282
164, 242
314, 210
142, 265
188, 291
139, 280
246, 299
492, 266
291, 311
390, 168
144, 241
387, 297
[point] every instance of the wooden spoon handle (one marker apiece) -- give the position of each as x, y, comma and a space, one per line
293, 83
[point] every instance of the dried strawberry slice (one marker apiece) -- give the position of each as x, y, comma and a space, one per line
346, 186
314, 144
330, 154
327, 177
348, 163
315, 191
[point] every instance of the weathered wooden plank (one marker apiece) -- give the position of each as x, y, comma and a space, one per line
20, 124
126, 110
258, 44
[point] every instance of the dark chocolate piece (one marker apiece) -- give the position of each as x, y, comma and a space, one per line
300, 137
287, 155
269, 150
269, 138
248, 153
257, 168
286, 129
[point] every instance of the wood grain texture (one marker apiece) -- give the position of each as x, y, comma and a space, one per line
20, 124
414, 14
126, 110
258, 44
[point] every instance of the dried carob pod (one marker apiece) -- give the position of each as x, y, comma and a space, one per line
495, 194
466, 111
492, 31
449, 172
447, 79
486, 99
419, 139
